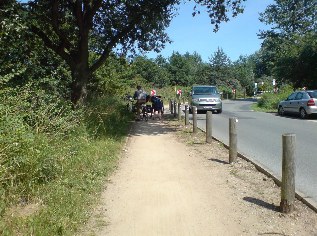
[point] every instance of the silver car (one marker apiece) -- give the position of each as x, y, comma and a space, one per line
205, 98
302, 103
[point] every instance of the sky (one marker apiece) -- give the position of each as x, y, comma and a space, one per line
195, 34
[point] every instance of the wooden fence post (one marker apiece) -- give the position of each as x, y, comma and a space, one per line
194, 109
233, 141
175, 111
209, 127
171, 106
288, 173
186, 115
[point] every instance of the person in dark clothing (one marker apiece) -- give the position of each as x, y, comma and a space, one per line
137, 92
157, 105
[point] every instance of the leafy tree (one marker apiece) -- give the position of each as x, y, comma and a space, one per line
115, 77
11, 26
290, 17
161, 61
75, 29
299, 67
263, 62
186, 69
24, 58
178, 69
219, 60
203, 73
285, 45
150, 71
221, 70
164, 78
243, 72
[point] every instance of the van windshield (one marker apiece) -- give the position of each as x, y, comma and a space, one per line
204, 90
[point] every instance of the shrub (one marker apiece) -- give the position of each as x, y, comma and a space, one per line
269, 101
33, 125
62, 167
106, 116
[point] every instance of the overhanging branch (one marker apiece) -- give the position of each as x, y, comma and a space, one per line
48, 43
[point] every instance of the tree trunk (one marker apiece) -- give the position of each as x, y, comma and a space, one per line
80, 78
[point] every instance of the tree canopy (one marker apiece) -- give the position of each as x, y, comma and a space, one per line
289, 47
80, 45
75, 29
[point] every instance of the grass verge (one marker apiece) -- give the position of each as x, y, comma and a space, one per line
83, 159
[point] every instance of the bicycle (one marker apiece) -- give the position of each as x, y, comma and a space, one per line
130, 106
144, 113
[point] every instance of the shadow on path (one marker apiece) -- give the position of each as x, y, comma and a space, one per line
261, 203
151, 127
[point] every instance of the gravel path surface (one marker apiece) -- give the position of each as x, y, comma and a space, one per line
170, 182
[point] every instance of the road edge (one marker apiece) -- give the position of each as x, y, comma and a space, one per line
298, 194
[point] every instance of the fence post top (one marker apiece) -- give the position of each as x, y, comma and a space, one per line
289, 135
235, 119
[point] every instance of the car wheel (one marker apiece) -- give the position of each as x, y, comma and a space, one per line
281, 111
302, 113
219, 111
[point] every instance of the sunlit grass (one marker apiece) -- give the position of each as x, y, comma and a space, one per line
65, 175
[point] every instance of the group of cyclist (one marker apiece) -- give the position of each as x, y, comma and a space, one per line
152, 104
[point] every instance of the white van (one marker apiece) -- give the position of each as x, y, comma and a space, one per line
205, 98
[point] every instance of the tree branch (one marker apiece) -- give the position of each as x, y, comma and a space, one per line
115, 39
64, 42
110, 46
95, 6
48, 43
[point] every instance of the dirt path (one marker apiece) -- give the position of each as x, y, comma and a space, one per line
171, 183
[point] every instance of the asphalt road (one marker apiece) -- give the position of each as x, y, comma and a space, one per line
260, 138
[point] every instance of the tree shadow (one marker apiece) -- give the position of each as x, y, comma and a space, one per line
152, 127
261, 203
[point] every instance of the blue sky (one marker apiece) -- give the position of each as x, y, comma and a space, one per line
236, 37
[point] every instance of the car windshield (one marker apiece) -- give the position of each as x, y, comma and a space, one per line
204, 90
313, 94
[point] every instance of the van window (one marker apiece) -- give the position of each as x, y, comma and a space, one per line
204, 90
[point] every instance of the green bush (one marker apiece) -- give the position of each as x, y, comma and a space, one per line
269, 101
107, 117
32, 127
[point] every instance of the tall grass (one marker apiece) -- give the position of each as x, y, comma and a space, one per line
53, 160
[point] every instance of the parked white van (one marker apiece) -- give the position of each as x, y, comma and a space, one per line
205, 98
